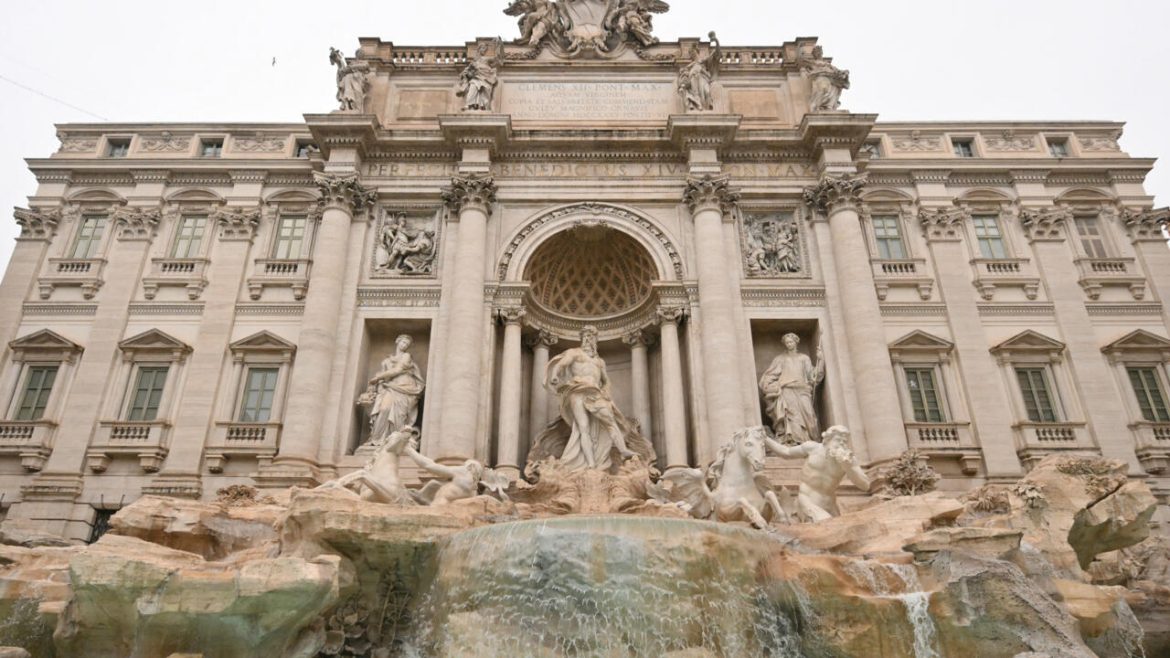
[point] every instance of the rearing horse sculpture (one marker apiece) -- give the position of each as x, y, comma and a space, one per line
737, 489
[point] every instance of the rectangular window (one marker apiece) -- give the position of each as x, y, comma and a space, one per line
211, 148
189, 237
888, 237
1037, 395
988, 235
35, 396
1089, 232
101, 524
148, 390
1151, 397
1058, 148
924, 395
304, 149
964, 148
259, 390
89, 236
117, 148
874, 149
290, 237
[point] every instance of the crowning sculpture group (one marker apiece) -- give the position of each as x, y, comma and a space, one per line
592, 434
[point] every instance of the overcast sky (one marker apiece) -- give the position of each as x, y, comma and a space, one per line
211, 60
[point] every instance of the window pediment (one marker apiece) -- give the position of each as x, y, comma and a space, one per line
919, 344
265, 345
1137, 345
44, 344
154, 344
1029, 344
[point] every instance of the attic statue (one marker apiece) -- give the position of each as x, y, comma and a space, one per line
696, 78
353, 81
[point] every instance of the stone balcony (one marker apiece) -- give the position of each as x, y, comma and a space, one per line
903, 273
946, 441
1096, 273
146, 440
994, 273
259, 440
1035, 440
189, 273
280, 273
32, 441
1153, 446
85, 273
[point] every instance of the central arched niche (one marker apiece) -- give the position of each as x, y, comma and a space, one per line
590, 272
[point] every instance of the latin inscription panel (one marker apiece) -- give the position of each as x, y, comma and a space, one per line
589, 101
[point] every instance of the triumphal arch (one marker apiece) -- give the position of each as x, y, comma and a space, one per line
192, 306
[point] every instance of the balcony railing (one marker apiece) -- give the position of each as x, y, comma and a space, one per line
259, 440
32, 441
84, 273
146, 440
1096, 273
189, 273
1035, 440
1153, 446
946, 440
280, 273
994, 273
902, 273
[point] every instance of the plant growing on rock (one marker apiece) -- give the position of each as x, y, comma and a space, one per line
909, 475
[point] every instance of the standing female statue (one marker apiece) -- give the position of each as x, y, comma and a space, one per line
394, 392
788, 385
477, 83
695, 79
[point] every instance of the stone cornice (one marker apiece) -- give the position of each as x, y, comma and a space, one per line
470, 191
835, 191
711, 193
37, 224
343, 192
1146, 225
1044, 224
943, 224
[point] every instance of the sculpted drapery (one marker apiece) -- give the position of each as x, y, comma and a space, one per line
788, 386
396, 389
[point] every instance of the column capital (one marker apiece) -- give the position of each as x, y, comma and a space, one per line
943, 224
343, 192
470, 191
543, 337
136, 223
511, 314
670, 314
835, 192
37, 224
1146, 225
710, 193
236, 223
638, 338
1043, 224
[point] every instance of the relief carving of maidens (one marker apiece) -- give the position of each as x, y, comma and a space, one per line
788, 385
591, 433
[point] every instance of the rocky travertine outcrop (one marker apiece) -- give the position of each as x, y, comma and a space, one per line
1054, 566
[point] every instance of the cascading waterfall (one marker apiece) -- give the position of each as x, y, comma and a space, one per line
606, 587
875, 575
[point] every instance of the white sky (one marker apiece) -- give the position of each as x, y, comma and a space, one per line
211, 60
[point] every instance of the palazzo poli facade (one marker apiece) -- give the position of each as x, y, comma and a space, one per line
191, 306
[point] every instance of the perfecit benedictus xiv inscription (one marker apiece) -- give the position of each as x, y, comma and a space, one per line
589, 100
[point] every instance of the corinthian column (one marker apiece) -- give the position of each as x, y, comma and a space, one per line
836, 198
640, 380
1144, 228
538, 405
674, 420
342, 200
508, 451
469, 197
710, 201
